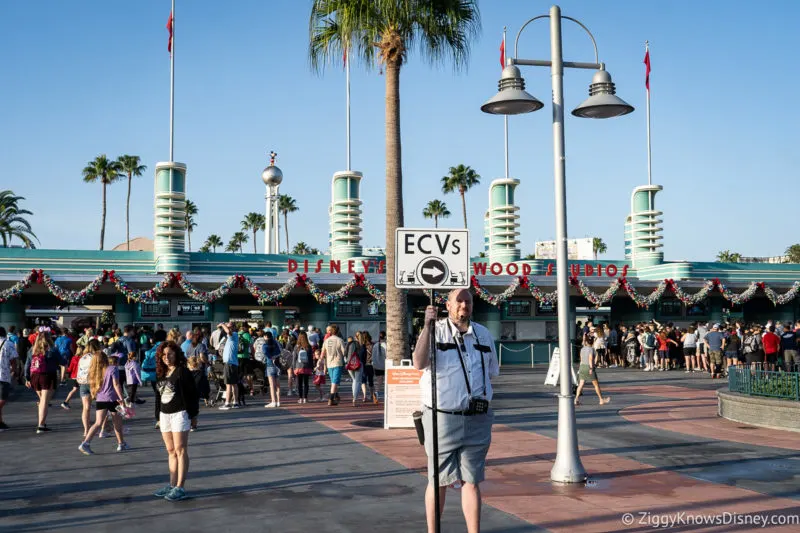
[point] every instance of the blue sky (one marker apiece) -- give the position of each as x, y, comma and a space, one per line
92, 77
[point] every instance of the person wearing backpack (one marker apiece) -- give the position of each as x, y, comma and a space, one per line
41, 374
65, 348
271, 351
333, 351
303, 365
148, 374
355, 355
649, 347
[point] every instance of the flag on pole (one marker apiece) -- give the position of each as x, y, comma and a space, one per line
503, 52
647, 70
169, 29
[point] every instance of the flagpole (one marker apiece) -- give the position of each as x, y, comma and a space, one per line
347, 103
649, 163
172, 88
505, 117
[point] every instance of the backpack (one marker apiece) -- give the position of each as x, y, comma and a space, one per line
148, 371
38, 364
751, 344
650, 341
351, 355
302, 357
64, 348
284, 360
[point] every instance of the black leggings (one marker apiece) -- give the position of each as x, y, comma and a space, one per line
369, 376
132, 392
302, 385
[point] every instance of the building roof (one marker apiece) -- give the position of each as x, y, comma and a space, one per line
138, 244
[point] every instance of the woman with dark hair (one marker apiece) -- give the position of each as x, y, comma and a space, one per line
41, 374
272, 350
178, 408
368, 377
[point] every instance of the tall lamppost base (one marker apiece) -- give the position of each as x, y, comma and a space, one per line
567, 467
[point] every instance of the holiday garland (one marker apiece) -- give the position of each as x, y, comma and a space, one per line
263, 296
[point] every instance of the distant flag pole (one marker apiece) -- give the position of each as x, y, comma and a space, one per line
647, 87
347, 101
171, 50
505, 117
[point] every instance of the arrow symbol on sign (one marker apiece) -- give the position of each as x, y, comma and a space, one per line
433, 272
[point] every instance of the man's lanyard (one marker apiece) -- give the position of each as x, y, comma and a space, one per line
459, 344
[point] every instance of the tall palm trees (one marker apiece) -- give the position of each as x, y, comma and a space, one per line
286, 205
434, 210
236, 242
461, 179
106, 172
726, 256
598, 246
130, 165
254, 222
212, 242
190, 210
389, 28
13, 222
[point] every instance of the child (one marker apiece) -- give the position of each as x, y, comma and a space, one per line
113, 360
200, 380
72, 372
133, 377
319, 373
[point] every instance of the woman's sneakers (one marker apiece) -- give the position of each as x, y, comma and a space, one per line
163, 491
42, 429
123, 447
65, 405
176, 494
85, 449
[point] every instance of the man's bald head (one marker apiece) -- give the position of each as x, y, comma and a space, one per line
459, 307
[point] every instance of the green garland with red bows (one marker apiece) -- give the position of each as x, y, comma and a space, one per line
263, 296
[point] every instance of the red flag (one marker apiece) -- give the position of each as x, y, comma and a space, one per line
169, 28
647, 70
503, 53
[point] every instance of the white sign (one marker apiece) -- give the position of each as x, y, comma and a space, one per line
431, 258
554, 370
577, 249
403, 395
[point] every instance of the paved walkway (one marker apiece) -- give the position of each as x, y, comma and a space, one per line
657, 448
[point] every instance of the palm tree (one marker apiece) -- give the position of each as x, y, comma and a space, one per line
129, 164
598, 247
106, 172
286, 205
726, 256
434, 210
239, 238
529, 257
301, 248
232, 245
190, 210
213, 241
461, 179
254, 222
13, 222
389, 28
205, 248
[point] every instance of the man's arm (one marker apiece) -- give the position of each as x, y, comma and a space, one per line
422, 351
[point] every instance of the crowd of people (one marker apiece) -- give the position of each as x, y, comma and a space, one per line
107, 367
700, 347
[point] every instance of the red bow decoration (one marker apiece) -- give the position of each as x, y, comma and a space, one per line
716, 282
301, 280
475, 283
573, 281
360, 279
38, 276
112, 276
524, 282
761, 285
623, 281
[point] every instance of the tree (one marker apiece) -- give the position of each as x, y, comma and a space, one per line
286, 205
301, 248
238, 240
254, 222
106, 172
793, 253
726, 256
434, 210
529, 257
13, 222
390, 28
205, 248
190, 210
213, 241
598, 247
461, 179
130, 165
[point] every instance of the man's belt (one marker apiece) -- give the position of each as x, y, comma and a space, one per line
459, 413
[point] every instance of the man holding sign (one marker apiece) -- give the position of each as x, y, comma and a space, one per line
465, 363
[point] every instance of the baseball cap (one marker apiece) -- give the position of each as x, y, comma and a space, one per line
716, 326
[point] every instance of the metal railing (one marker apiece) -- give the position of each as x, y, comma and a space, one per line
759, 382
535, 352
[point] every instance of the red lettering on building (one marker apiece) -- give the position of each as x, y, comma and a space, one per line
611, 271
319, 266
351, 267
335, 265
588, 270
292, 265
366, 265
496, 271
479, 269
381, 267
526, 269
509, 268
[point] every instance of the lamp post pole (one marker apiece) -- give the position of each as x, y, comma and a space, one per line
512, 99
568, 467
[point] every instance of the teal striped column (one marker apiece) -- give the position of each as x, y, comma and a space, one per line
503, 221
643, 246
170, 224
345, 215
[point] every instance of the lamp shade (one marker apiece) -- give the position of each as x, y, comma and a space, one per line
511, 99
603, 101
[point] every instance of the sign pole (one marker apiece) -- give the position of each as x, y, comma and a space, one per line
434, 423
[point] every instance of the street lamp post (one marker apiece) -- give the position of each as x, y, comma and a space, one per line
602, 103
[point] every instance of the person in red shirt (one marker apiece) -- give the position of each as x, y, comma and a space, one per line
772, 344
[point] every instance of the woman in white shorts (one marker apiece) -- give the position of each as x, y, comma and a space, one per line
177, 413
